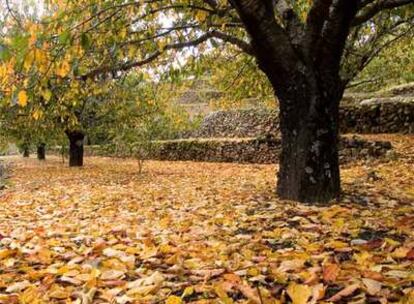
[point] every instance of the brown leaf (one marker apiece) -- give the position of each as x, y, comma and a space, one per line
410, 254
373, 287
347, 291
373, 275
290, 265
249, 293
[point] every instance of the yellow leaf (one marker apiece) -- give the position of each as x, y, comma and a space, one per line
201, 16
149, 252
337, 245
29, 59
161, 44
58, 292
5, 253
63, 69
400, 252
30, 296
188, 291
47, 94
173, 300
253, 271
22, 98
363, 258
123, 33
408, 298
299, 293
37, 114
224, 298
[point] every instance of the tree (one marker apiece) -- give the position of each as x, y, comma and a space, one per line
28, 132
308, 50
142, 118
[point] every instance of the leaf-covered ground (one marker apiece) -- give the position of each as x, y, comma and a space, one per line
204, 233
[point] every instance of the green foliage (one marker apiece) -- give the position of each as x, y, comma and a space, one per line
236, 78
137, 114
394, 65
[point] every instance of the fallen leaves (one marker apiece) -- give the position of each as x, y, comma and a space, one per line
299, 293
18, 286
174, 300
146, 285
347, 291
373, 287
199, 233
330, 272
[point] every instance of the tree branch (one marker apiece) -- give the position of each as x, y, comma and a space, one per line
335, 33
272, 45
376, 48
242, 44
317, 16
373, 9
176, 46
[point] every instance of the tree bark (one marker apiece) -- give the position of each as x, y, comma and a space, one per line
309, 163
303, 64
75, 148
41, 151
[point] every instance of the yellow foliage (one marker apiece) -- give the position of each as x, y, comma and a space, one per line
22, 98
299, 293
63, 69
173, 300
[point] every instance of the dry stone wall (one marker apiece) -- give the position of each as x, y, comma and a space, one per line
260, 151
379, 115
238, 123
376, 115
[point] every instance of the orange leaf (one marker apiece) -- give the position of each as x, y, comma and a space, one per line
330, 272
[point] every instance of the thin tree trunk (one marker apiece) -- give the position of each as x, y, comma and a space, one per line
41, 151
75, 148
26, 152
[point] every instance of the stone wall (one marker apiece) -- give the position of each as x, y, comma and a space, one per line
376, 115
379, 115
238, 123
261, 151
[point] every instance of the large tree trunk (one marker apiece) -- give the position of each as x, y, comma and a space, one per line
302, 62
41, 151
309, 164
75, 148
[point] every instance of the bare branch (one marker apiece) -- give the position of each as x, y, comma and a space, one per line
12, 13
169, 30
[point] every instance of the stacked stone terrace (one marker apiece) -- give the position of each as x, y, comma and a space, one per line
252, 136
